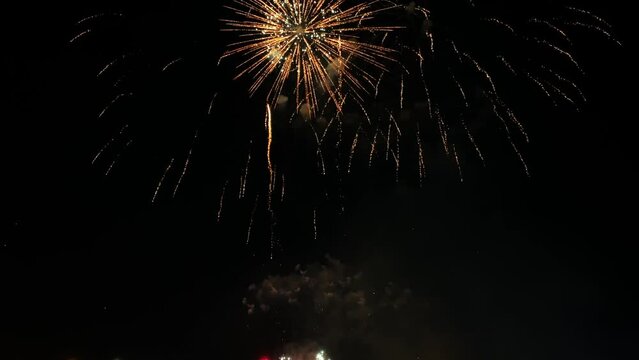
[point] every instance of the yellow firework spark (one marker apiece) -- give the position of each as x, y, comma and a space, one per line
315, 43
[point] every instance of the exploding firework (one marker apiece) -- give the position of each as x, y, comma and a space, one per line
382, 84
317, 43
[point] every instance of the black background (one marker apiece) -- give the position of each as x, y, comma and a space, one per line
539, 267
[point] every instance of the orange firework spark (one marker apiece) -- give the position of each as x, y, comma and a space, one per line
314, 42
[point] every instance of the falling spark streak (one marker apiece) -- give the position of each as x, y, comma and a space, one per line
507, 64
511, 141
372, 152
563, 95
566, 81
97, 16
589, 14
472, 141
117, 157
401, 93
75, 38
186, 164
353, 147
212, 104
157, 189
167, 66
542, 87
552, 27
314, 224
502, 24
422, 165
460, 88
111, 64
459, 168
559, 50
596, 28
283, 188
482, 71
269, 134
388, 137
108, 143
221, 206
244, 178
116, 99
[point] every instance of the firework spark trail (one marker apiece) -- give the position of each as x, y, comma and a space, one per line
221, 206
314, 224
570, 83
458, 163
296, 38
562, 94
482, 71
283, 188
401, 93
117, 157
472, 141
553, 28
171, 63
97, 16
589, 14
115, 100
421, 162
460, 88
78, 36
112, 63
187, 162
540, 84
244, 177
108, 143
353, 147
567, 55
212, 104
373, 145
507, 64
510, 140
319, 153
157, 189
502, 24
595, 28
269, 143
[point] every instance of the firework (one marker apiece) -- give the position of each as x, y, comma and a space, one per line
316, 43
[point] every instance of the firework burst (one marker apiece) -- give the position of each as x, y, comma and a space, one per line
318, 44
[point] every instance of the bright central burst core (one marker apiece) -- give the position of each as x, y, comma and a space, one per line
314, 43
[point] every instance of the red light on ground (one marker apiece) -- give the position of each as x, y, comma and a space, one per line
265, 358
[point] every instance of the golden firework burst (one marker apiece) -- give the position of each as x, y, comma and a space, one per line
317, 44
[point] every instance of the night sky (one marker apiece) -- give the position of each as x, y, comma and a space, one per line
508, 266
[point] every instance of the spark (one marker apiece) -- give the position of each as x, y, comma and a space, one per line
115, 100
314, 224
187, 162
78, 36
117, 157
221, 206
212, 104
167, 66
283, 188
244, 177
269, 132
108, 143
157, 189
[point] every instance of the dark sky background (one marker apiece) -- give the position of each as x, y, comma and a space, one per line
515, 267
